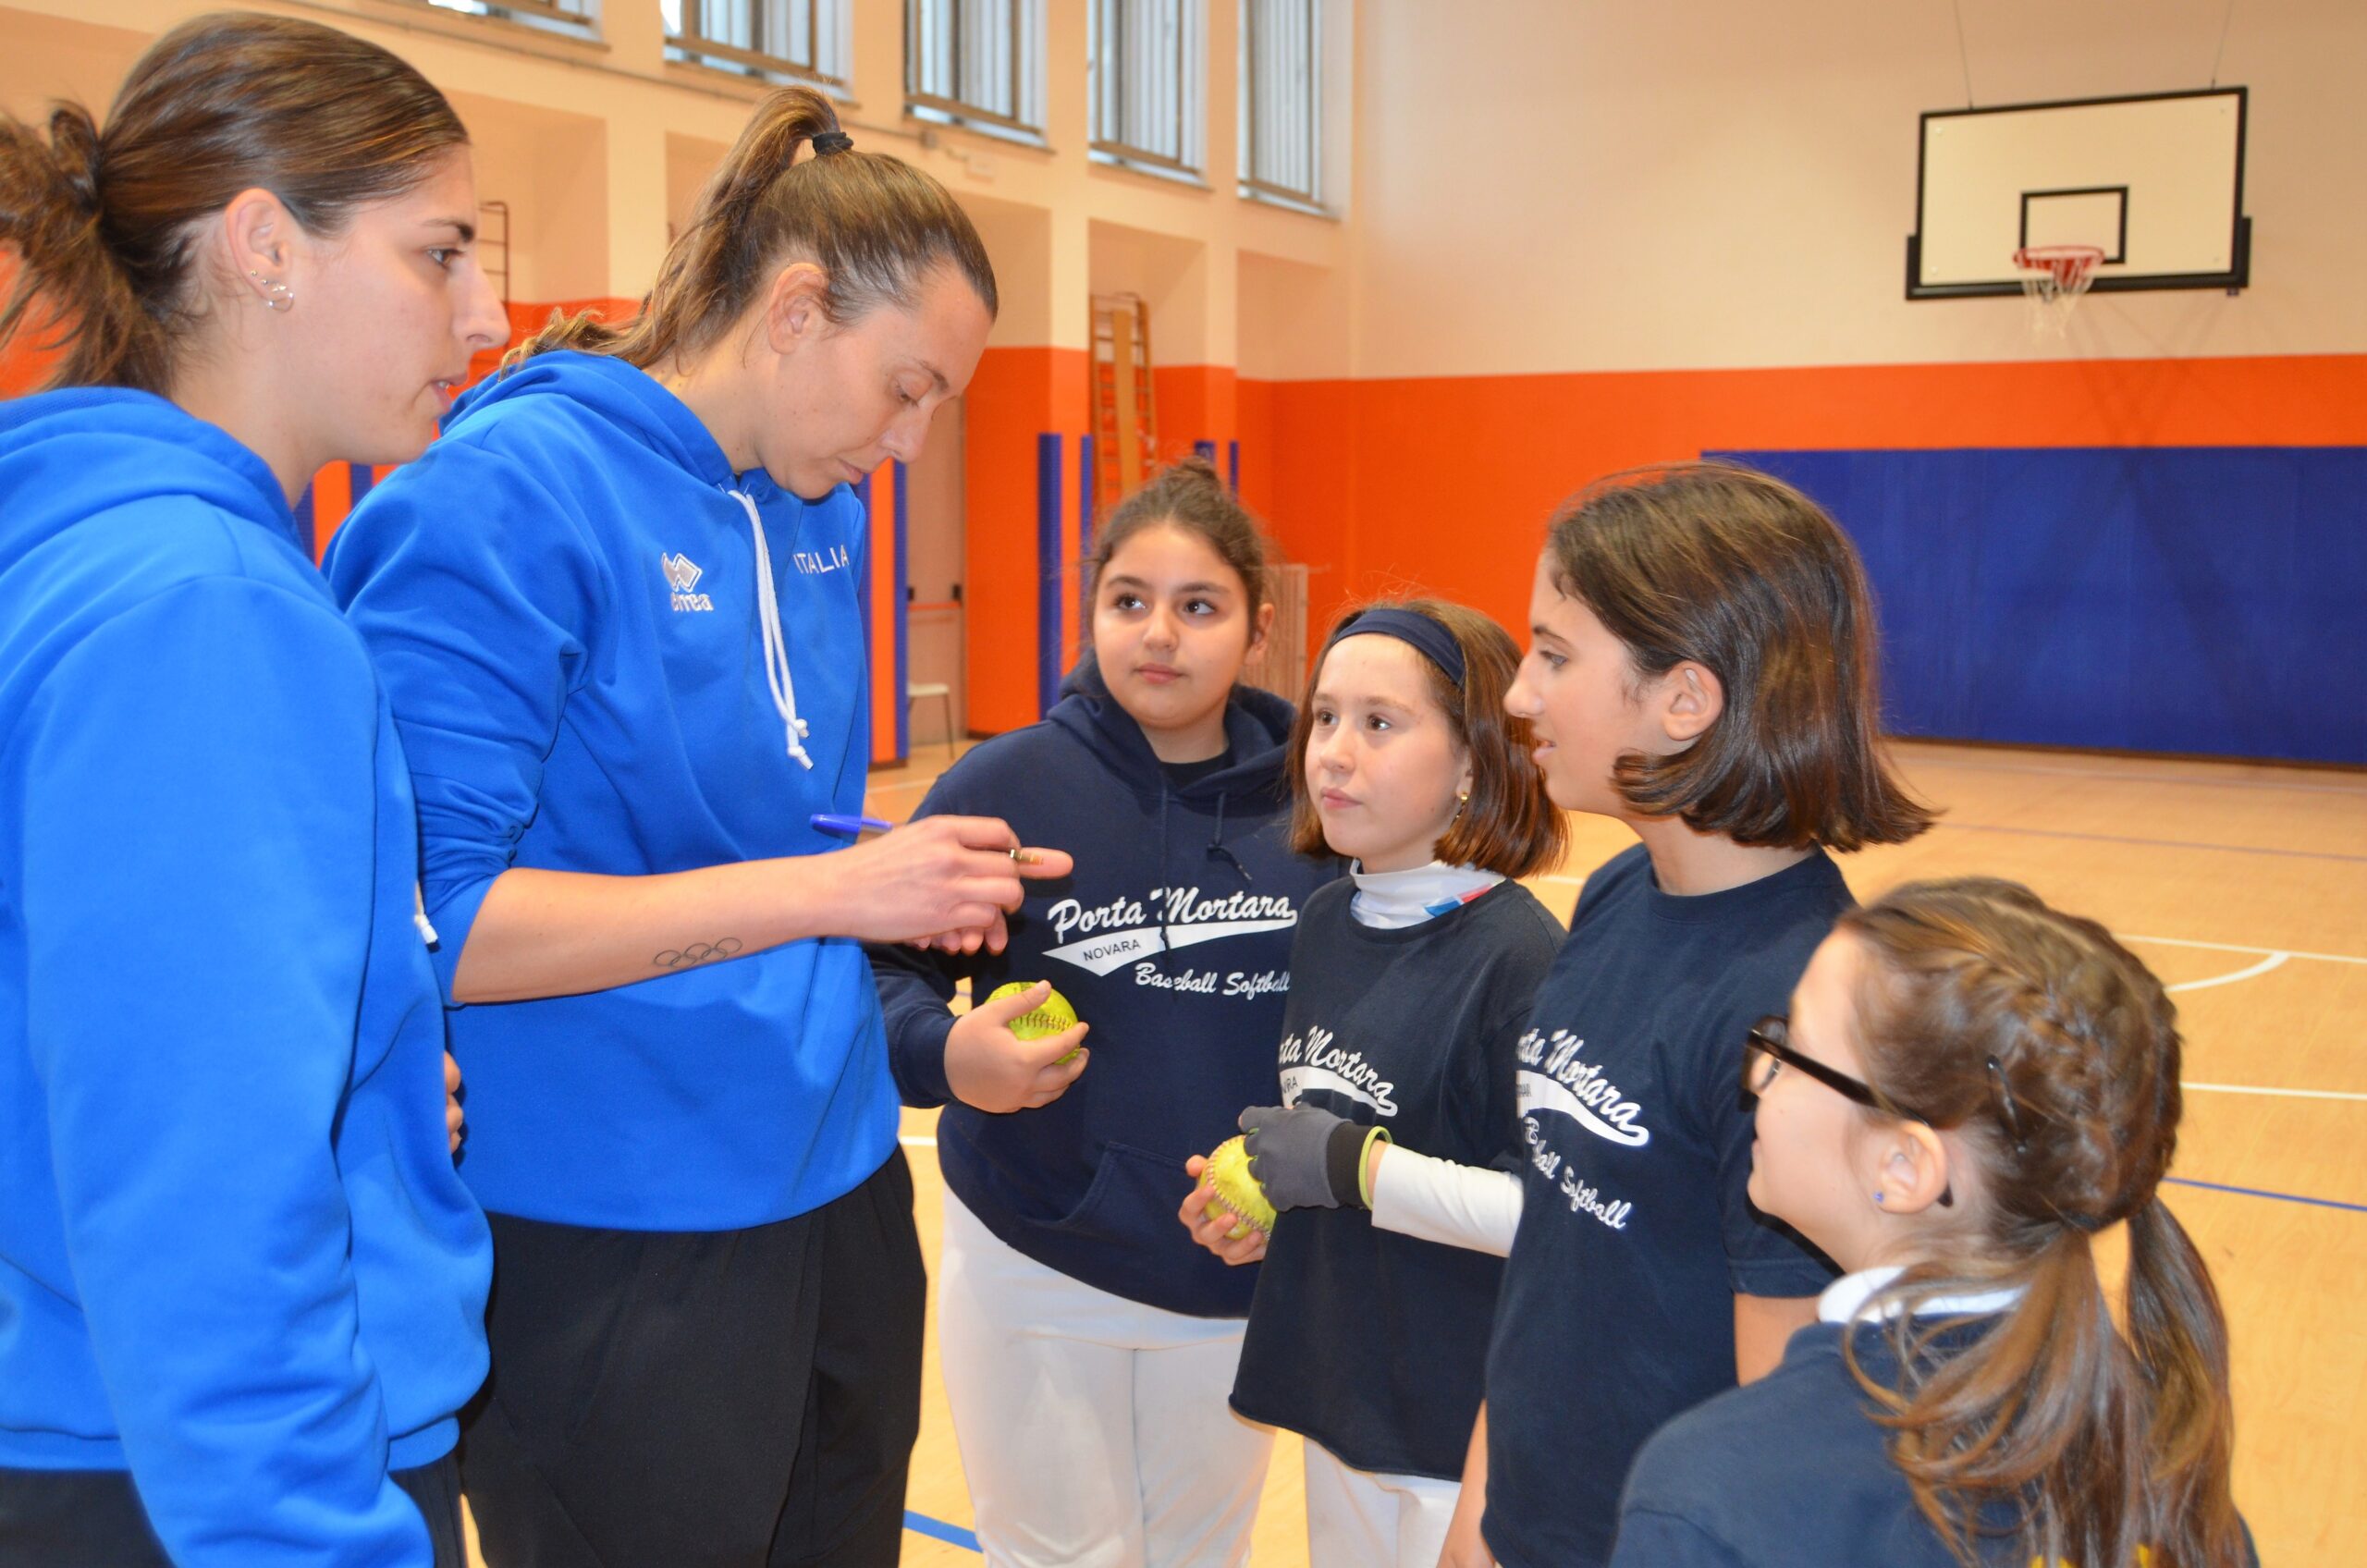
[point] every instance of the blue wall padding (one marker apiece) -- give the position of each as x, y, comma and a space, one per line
2208, 600
1047, 564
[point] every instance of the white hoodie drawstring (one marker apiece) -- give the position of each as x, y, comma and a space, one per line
776, 645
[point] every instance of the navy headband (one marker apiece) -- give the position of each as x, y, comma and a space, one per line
1425, 636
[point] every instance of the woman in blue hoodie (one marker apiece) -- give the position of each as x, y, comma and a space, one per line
1086, 1344
618, 610
241, 1287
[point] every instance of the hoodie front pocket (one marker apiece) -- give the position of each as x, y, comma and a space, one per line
1133, 1188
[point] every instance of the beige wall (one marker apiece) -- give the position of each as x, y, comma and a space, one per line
1570, 185
551, 169
1529, 185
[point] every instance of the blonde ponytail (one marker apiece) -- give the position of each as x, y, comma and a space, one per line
873, 223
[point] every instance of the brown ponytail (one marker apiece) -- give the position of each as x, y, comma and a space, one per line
2053, 1054
875, 225
103, 221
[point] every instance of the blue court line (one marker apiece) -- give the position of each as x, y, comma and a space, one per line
2148, 844
2257, 1193
937, 1529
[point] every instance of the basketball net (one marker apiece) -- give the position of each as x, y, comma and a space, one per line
2054, 279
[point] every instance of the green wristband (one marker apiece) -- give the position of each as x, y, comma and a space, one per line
1364, 1162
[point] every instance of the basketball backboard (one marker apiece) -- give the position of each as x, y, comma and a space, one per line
2156, 182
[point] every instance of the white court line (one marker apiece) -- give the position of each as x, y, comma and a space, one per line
2262, 967
2279, 954
2109, 776
917, 1141
2239, 948
2263, 1089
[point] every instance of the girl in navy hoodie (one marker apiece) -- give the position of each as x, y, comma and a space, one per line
617, 609
1969, 1087
1086, 1344
241, 1288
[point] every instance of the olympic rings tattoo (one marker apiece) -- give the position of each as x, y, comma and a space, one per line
698, 952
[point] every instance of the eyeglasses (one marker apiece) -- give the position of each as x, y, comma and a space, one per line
1768, 1050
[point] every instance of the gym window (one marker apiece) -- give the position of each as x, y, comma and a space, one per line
774, 41
976, 63
1148, 67
1282, 102
565, 18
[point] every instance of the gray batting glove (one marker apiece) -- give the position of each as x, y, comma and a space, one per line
1304, 1157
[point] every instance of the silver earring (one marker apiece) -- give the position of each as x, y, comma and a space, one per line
276, 294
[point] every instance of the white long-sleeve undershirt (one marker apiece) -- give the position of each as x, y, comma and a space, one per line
1438, 1200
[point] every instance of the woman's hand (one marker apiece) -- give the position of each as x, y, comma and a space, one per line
455, 1125
990, 1068
944, 882
1211, 1230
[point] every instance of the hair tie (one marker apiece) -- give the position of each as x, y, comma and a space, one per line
1418, 632
829, 141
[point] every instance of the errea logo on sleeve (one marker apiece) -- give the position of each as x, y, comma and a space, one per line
682, 575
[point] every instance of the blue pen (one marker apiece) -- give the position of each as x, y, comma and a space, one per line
852, 826
855, 827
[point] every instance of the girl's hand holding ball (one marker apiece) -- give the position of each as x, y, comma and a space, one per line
1234, 1231
1019, 1049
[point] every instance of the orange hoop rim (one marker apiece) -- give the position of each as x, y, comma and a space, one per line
2071, 266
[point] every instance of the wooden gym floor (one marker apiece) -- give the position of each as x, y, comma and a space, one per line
2245, 886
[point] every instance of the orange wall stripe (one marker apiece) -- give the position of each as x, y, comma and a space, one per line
882, 604
1444, 484
332, 501
1017, 395
1196, 403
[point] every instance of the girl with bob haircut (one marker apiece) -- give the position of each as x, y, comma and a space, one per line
242, 1287
1969, 1087
1700, 668
1086, 1344
1411, 984
618, 608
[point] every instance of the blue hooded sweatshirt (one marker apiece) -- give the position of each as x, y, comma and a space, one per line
1173, 939
233, 1257
563, 600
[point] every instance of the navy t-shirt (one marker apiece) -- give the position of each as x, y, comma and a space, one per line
1617, 1307
1793, 1472
1370, 1342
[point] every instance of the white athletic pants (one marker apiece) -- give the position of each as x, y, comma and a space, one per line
1359, 1519
1094, 1430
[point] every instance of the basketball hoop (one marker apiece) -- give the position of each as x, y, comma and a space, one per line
2053, 277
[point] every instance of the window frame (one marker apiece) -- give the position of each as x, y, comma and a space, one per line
1249, 184
1190, 90
829, 39
1026, 79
